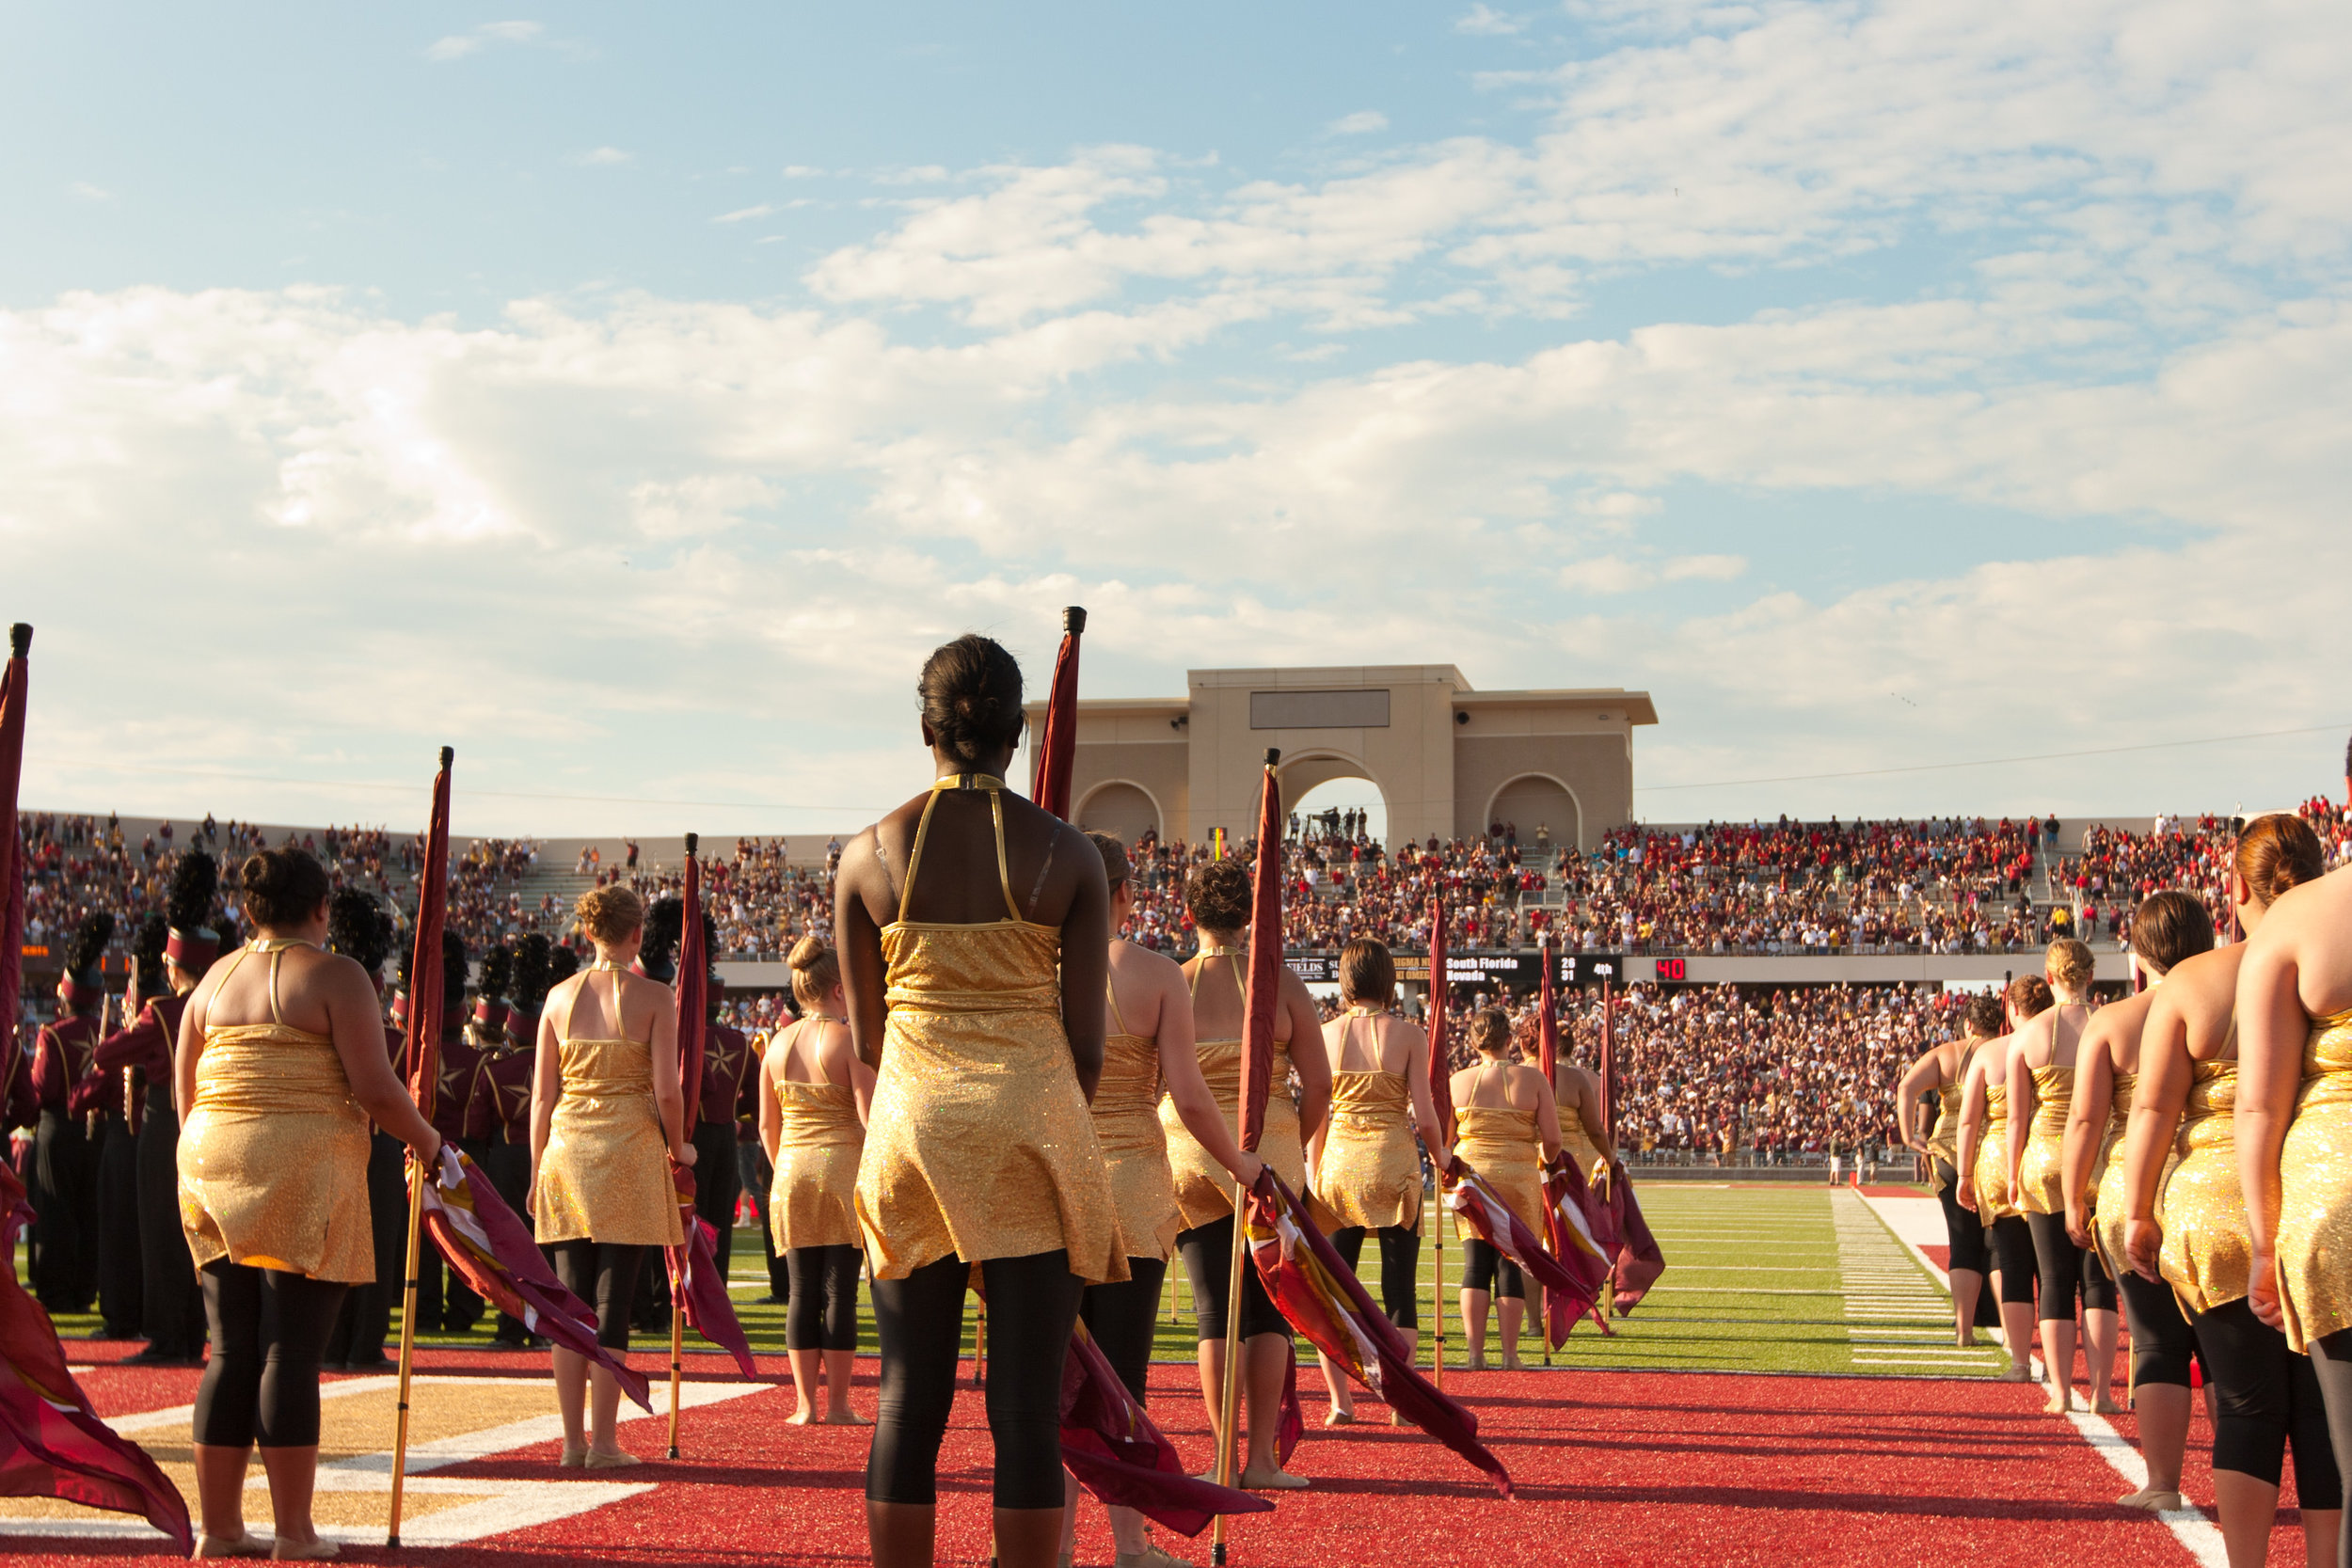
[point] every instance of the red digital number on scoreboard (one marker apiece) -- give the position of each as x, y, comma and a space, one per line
1671, 969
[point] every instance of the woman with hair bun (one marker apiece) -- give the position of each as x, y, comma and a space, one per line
814, 1097
1503, 1111
952, 910
2166, 928
1218, 894
1985, 1130
1941, 1071
605, 1109
1365, 1159
2187, 1224
282, 1066
2295, 1131
2041, 1099
1147, 1044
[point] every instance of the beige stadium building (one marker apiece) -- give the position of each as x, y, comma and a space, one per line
1447, 759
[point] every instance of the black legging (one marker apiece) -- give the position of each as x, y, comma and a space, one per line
1033, 1305
1481, 1263
1122, 1318
604, 1276
2067, 1270
1208, 1254
1400, 1269
269, 1329
2331, 1364
1963, 1230
822, 1313
2163, 1344
2265, 1396
2013, 1254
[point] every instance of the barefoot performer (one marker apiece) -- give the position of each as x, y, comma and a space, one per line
1364, 1163
605, 1110
1218, 895
1984, 1134
2187, 1224
281, 1064
2041, 1098
979, 1150
1939, 1071
1502, 1110
2166, 928
813, 1099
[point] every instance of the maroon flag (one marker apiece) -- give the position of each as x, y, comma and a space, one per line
425, 998
1326, 1302
52, 1443
1115, 1452
1049, 783
12, 695
699, 1291
1568, 1232
1441, 1068
1482, 1212
1546, 1014
1265, 960
494, 1252
1639, 1259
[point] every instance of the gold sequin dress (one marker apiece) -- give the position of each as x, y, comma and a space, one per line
1204, 1189
1498, 1141
978, 1144
2041, 1172
2314, 1246
1992, 1173
1127, 1123
605, 1174
1944, 1142
1577, 1145
813, 1199
2108, 1200
1370, 1174
2208, 1250
273, 1158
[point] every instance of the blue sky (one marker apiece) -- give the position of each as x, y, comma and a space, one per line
629, 397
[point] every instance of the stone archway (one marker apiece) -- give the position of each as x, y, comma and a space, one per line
1120, 808
1538, 803
1305, 775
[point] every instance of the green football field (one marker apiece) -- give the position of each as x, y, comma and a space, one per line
1767, 1279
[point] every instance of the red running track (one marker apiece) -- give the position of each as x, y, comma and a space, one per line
1616, 1468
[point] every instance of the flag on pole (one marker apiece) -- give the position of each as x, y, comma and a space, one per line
1440, 1068
1117, 1452
13, 691
1049, 783
694, 1278
426, 999
1263, 986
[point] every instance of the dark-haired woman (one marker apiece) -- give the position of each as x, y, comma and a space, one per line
952, 913
814, 1097
1218, 894
2187, 1224
1940, 1072
2295, 1131
2041, 1098
2166, 928
604, 1108
1364, 1162
1147, 1044
1503, 1116
65, 1159
282, 1066
1985, 1129
171, 1310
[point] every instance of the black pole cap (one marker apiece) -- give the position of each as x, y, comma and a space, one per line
449, 755
1273, 755
693, 841
21, 638
1074, 618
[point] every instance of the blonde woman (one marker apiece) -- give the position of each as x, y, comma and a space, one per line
281, 1065
605, 1110
1985, 1129
1503, 1114
1364, 1162
813, 1098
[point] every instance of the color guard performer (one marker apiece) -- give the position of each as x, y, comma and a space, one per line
65, 1186
1503, 1113
1940, 1072
1984, 1134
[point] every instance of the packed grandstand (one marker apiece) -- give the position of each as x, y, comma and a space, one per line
1754, 1073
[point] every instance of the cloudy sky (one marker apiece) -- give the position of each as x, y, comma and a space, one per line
629, 396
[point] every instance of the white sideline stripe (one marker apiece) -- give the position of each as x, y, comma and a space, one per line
2197, 1535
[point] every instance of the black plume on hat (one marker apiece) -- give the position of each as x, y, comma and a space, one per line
195, 881
359, 927
452, 973
84, 953
527, 981
563, 963
665, 923
498, 967
146, 948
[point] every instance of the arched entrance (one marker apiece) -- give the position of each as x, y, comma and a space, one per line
1326, 786
1122, 809
1541, 808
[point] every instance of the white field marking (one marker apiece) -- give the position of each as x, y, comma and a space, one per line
1909, 1219
500, 1505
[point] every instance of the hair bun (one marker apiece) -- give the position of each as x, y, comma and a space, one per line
808, 952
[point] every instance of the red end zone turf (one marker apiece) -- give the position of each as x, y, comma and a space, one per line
1617, 1468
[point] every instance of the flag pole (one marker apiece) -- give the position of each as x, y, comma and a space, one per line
1230, 1399
426, 997
1441, 1100
677, 1277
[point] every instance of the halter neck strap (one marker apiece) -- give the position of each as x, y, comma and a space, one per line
995, 787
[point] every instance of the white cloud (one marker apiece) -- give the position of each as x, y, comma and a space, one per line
81, 190
1485, 21
744, 214
606, 157
1605, 574
802, 171
1363, 122
456, 46
1706, 568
